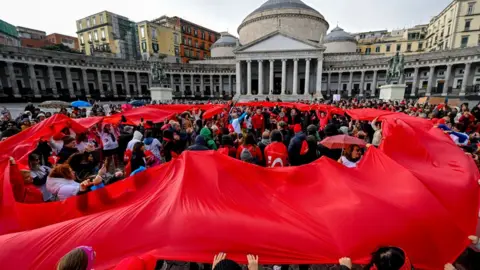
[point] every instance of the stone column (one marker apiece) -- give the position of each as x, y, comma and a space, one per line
295, 76
149, 80
171, 82
430, 81
220, 85
329, 81
114, 83
374, 83
230, 89
270, 78
68, 74
238, 77
182, 85
99, 82
13, 81
127, 84
249, 77
466, 74
53, 85
33, 81
448, 77
340, 84
362, 83
318, 89
211, 85
202, 87
415, 82
192, 89
350, 84
307, 77
260, 77
284, 75
139, 85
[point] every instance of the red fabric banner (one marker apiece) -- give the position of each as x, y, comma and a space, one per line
190, 210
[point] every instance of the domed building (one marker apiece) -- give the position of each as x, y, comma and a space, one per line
224, 46
339, 41
292, 17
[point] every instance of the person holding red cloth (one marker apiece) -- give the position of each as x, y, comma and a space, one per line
322, 118
276, 153
22, 183
258, 123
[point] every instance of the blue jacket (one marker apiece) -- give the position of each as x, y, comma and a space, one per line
294, 149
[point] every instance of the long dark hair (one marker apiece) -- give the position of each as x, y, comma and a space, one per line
387, 258
250, 140
137, 148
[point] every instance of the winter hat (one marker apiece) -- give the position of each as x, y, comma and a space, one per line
40, 115
67, 140
227, 264
311, 129
200, 140
441, 121
297, 128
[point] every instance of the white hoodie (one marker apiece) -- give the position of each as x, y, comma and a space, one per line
137, 137
62, 188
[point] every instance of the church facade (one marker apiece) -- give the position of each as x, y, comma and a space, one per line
283, 51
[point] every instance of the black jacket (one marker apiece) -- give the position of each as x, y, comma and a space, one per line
65, 153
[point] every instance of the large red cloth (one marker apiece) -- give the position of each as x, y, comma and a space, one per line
418, 191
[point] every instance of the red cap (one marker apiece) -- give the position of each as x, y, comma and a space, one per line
441, 121
297, 128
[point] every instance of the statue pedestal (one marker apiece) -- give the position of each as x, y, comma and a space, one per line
392, 92
161, 93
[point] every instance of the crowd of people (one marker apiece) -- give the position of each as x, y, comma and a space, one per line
70, 164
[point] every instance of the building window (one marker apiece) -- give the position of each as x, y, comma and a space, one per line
388, 48
377, 49
95, 34
464, 43
184, 41
177, 52
175, 38
189, 30
467, 25
196, 44
359, 50
144, 46
471, 8
420, 46
101, 19
399, 47
196, 32
88, 23
189, 42
80, 26
154, 33
368, 50
82, 41
103, 34
142, 32
94, 21
203, 35
90, 37
409, 47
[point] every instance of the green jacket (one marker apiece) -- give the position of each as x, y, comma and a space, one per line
207, 134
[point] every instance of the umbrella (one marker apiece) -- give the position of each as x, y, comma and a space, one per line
55, 104
81, 103
137, 103
340, 141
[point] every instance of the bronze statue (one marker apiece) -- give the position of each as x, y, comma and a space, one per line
158, 73
396, 68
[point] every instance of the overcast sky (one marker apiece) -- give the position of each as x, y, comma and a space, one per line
59, 16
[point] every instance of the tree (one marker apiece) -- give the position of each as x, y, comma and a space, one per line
60, 48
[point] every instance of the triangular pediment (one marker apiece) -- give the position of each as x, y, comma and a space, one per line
278, 41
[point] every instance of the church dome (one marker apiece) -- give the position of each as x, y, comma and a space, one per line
292, 17
226, 39
339, 41
284, 4
224, 46
338, 34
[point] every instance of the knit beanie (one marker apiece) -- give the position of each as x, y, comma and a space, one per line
246, 156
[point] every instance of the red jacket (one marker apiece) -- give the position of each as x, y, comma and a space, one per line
276, 155
258, 122
228, 151
23, 193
